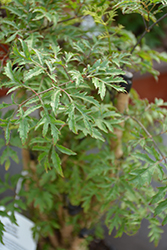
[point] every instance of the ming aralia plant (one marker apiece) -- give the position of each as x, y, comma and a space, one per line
86, 154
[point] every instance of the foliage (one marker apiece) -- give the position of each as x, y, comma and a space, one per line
60, 75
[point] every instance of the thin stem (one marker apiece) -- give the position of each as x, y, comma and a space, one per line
145, 24
109, 40
146, 31
36, 94
62, 21
150, 136
40, 93
31, 97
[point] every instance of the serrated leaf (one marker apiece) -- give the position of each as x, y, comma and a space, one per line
86, 98
161, 207
12, 89
40, 148
7, 133
25, 49
12, 37
38, 140
45, 128
109, 126
39, 55
9, 152
159, 195
7, 164
31, 110
100, 125
15, 11
55, 99
86, 119
65, 150
76, 76
99, 84
97, 135
40, 122
56, 162
18, 53
71, 118
55, 132
33, 72
23, 129
164, 222
12, 23
42, 156
9, 72
144, 157
118, 88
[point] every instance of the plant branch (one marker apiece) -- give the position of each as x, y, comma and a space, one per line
145, 24
36, 94
150, 136
69, 19
146, 31
40, 93
62, 21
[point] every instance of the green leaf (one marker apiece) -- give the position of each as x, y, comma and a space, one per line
56, 162
23, 129
164, 222
14, 10
8, 152
12, 89
99, 84
45, 127
32, 109
65, 150
7, 164
9, 72
143, 157
2, 229
18, 53
86, 118
55, 132
39, 55
33, 72
25, 49
55, 99
159, 195
42, 156
11, 23
97, 135
71, 118
76, 76
161, 207
89, 99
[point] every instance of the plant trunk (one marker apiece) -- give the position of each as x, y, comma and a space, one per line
64, 238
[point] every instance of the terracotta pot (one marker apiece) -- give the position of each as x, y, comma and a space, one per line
147, 87
4, 48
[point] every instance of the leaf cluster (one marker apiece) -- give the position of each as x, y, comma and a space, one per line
62, 79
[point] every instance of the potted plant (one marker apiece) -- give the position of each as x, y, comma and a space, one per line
87, 155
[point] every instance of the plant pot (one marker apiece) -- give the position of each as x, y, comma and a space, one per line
147, 87
4, 49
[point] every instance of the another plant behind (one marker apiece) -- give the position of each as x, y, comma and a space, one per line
61, 79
